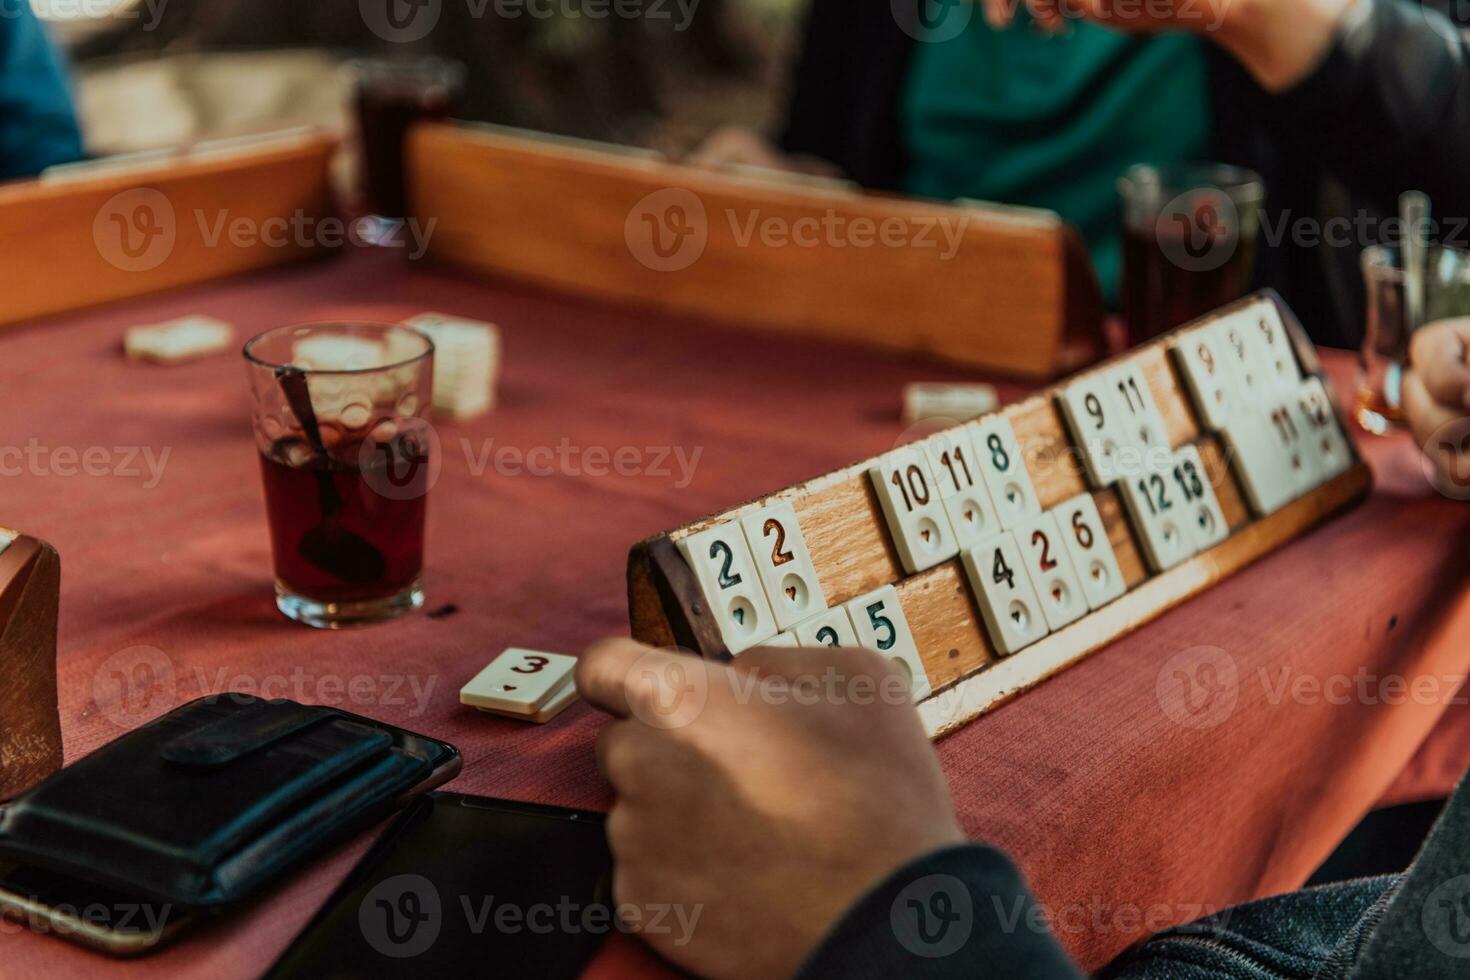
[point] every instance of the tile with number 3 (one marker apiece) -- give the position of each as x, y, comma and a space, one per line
832, 628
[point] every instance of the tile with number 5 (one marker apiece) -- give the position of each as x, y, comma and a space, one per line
779, 551
880, 624
1003, 470
722, 564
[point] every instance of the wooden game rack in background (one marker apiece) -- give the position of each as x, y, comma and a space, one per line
1018, 296
848, 538
53, 262
30, 723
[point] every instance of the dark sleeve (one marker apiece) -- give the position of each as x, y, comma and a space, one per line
1389, 109
38, 127
961, 912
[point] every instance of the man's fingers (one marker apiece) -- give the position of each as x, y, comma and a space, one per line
629, 680
602, 673
1426, 416
809, 662
1438, 353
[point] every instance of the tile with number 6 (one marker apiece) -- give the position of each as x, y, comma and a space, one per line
911, 503
1086, 538
1005, 594
832, 628
722, 564
1003, 470
1053, 575
881, 625
779, 551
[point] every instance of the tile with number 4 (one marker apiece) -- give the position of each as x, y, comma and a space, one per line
1003, 470
1160, 516
880, 624
1086, 538
722, 564
1206, 524
779, 551
912, 505
1092, 414
1006, 596
1053, 575
832, 628
1330, 444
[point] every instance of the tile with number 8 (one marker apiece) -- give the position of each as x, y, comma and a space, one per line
880, 624
1086, 538
832, 628
1206, 524
1053, 575
1003, 470
1159, 516
1006, 596
912, 505
1092, 413
779, 551
722, 564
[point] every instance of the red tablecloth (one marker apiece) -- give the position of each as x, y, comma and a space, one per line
1120, 817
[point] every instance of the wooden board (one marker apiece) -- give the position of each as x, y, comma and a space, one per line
63, 239
30, 725
852, 553
1010, 289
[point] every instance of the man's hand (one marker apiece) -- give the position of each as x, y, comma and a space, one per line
767, 796
1437, 394
1278, 41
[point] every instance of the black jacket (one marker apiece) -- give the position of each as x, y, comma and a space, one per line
1387, 111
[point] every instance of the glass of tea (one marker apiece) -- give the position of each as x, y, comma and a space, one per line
347, 457
1385, 352
390, 96
1189, 242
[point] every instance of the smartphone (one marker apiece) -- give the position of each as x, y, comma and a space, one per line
466, 886
91, 915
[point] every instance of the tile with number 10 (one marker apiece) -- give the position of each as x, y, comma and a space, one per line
912, 504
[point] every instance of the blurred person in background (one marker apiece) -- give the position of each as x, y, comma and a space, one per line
1339, 104
38, 124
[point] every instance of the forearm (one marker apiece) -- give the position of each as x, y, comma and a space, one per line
1281, 43
960, 912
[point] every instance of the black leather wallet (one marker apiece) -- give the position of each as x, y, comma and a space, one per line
216, 799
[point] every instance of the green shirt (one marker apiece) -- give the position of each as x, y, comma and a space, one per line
1019, 117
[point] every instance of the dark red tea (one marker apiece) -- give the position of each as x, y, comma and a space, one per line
386, 108
348, 528
1172, 277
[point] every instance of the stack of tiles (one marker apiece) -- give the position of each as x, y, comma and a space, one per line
466, 363
526, 685
176, 341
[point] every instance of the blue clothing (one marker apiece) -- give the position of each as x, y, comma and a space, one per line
38, 124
